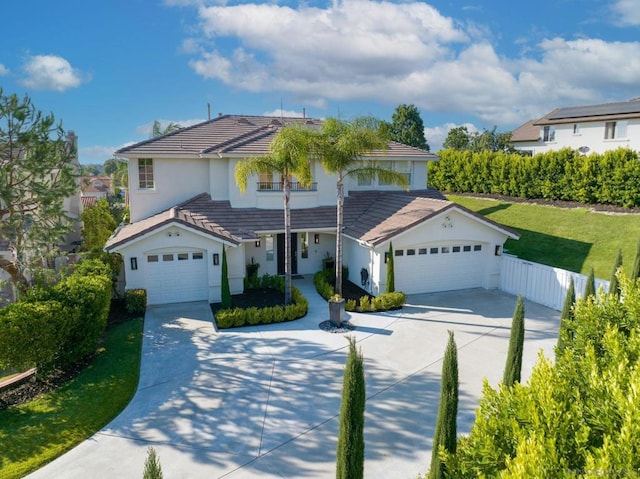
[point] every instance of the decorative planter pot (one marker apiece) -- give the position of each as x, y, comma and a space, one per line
336, 311
329, 264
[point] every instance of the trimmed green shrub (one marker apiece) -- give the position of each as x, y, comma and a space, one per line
135, 301
393, 300
323, 281
33, 334
391, 275
365, 303
238, 317
93, 267
226, 290
612, 177
444, 437
350, 305
350, 448
513, 367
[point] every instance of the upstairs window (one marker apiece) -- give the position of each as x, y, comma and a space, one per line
400, 166
615, 130
145, 174
548, 134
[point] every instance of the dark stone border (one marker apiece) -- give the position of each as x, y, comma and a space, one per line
329, 327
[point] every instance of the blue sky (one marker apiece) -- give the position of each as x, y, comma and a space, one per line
109, 68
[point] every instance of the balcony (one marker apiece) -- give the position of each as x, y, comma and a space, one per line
277, 186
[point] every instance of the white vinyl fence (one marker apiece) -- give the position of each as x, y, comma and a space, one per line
539, 283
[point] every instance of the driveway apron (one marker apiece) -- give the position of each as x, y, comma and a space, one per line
263, 401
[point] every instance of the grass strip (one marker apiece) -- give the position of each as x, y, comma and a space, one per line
35, 433
570, 238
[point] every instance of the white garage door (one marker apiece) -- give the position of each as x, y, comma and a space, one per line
176, 277
439, 267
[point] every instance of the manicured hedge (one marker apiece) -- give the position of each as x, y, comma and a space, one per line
237, 317
383, 302
56, 326
612, 177
135, 301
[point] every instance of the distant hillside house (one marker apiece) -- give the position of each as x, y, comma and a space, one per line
589, 129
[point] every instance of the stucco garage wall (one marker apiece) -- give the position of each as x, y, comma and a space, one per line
160, 242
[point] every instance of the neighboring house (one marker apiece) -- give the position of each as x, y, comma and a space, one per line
98, 187
186, 207
589, 129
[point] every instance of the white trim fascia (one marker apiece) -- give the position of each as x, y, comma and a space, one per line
171, 224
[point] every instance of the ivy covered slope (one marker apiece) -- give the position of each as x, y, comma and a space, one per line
577, 418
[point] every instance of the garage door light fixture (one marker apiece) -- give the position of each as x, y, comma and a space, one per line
216, 259
257, 243
134, 263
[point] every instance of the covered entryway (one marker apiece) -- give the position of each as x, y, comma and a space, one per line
439, 267
176, 277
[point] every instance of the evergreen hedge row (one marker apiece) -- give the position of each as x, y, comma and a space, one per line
612, 177
59, 326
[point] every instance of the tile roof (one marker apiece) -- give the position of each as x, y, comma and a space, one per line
370, 216
89, 201
527, 132
236, 135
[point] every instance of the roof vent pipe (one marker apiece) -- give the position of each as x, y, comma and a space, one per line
304, 113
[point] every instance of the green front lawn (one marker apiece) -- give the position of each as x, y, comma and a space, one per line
573, 239
37, 432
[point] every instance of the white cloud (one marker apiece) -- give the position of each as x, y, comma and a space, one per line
437, 134
147, 128
3, 70
284, 113
406, 53
627, 12
50, 72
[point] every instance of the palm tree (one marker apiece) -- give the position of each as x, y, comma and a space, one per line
157, 130
342, 148
289, 154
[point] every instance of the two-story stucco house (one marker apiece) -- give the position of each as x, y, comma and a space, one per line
186, 207
589, 129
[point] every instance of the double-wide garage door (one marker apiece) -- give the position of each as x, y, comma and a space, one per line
176, 277
439, 267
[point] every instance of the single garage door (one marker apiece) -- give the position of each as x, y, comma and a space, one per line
439, 267
176, 277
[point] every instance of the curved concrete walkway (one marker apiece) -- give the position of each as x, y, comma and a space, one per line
263, 401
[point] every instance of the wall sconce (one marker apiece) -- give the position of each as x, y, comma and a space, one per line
498, 250
316, 238
258, 244
134, 263
216, 259
386, 257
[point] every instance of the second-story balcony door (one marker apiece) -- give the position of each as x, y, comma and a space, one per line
294, 253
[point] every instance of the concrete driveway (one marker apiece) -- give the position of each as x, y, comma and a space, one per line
264, 401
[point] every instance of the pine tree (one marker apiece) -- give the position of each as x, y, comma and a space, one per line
152, 468
635, 272
350, 449
513, 367
226, 291
565, 316
446, 428
614, 287
590, 286
391, 275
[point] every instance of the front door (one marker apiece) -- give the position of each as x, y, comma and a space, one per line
294, 253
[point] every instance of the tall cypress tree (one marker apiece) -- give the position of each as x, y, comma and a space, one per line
350, 449
565, 316
152, 468
635, 272
614, 287
446, 428
225, 290
391, 275
513, 368
590, 286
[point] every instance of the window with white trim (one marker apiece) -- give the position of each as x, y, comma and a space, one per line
548, 134
614, 130
145, 174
